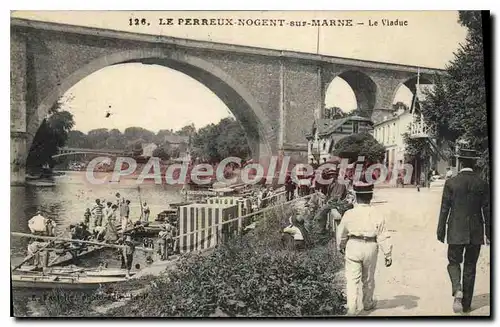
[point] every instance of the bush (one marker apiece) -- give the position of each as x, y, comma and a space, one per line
248, 276
63, 303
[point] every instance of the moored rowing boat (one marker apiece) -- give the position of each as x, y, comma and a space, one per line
39, 281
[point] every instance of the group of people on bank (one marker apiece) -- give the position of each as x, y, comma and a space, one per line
99, 224
321, 213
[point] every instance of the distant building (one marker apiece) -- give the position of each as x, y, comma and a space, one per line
181, 144
148, 149
176, 141
389, 132
326, 133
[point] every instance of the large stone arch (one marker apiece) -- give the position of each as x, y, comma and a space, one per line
363, 86
241, 103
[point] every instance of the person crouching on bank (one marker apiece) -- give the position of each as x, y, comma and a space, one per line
361, 232
299, 233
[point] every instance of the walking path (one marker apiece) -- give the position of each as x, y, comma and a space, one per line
417, 283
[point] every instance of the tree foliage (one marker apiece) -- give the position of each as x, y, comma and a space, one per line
213, 142
187, 130
399, 105
415, 148
361, 144
52, 134
456, 106
338, 113
162, 153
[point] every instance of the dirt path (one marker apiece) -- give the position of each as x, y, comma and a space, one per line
417, 284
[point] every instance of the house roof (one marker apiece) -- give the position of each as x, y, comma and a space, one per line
176, 139
329, 126
144, 145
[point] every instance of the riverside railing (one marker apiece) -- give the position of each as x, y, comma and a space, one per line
226, 229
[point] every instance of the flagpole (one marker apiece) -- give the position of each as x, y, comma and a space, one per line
412, 109
318, 114
317, 40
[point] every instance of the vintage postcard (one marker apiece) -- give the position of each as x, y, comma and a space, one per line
250, 164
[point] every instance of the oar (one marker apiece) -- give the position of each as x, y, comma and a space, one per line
51, 238
140, 202
32, 255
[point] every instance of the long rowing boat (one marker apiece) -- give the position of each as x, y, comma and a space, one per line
40, 281
75, 270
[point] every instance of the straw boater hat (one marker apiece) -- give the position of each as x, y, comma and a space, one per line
468, 154
361, 187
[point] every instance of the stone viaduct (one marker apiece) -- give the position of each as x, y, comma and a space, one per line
274, 94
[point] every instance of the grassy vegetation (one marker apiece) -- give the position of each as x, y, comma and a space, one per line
251, 275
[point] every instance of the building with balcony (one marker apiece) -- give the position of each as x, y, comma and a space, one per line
325, 133
390, 133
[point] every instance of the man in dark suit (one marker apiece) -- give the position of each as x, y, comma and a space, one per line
465, 218
336, 190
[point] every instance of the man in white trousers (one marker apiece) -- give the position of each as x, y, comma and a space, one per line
360, 234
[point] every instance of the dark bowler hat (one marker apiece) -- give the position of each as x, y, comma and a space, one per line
360, 187
468, 154
330, 172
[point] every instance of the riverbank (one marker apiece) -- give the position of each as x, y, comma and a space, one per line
251, 275
255, 276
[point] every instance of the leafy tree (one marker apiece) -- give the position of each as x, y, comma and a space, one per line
361, 144
205, 143
232, 140
160, 136
399, 105
186, 130
416, 148
77, 139
213, 143
161, 153
116, 140
456, 107
137, 148
338, 113
134, 133
97, 138
52, 134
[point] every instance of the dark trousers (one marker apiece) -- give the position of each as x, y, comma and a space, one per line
127, 261
468, 254
289, 195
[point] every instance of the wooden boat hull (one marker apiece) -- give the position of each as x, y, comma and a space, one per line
62, 282
75, 271
68, 258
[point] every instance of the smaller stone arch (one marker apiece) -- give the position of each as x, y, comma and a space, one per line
364, 88
411, 83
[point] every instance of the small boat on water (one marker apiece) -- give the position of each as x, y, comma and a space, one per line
40, 183
75, 271
41, 281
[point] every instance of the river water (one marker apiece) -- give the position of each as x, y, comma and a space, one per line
66, 200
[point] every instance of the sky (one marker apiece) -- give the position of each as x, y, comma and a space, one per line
174, 99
